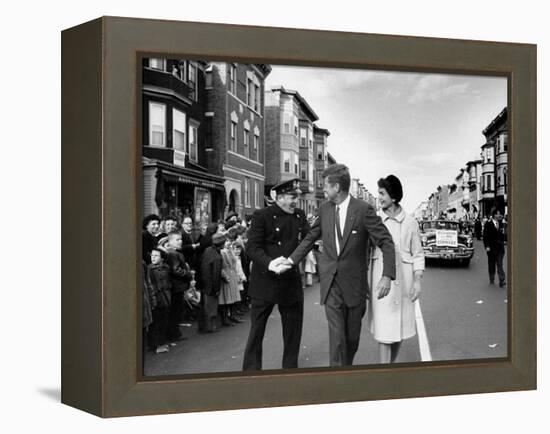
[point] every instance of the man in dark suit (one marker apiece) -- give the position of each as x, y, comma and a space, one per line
494, 234
347, 226
273, 235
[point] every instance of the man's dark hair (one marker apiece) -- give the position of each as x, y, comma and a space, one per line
494, 210
338, 173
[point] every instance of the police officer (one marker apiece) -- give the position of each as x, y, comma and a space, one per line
274, 233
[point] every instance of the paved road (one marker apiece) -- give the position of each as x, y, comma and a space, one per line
464, 318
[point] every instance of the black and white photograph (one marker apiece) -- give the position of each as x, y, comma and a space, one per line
308, 217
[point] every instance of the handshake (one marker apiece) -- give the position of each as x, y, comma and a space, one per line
280, 265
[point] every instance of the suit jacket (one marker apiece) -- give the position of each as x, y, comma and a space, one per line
274, 233
493, 237
349, 268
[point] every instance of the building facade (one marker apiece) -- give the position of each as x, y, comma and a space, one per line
236, 125
320, 143
473, 168
494, 180
176, 179
290, 143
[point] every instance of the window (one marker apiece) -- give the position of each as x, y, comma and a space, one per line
303, 137
256, 194
286, 162
303, 170
157, 124
193, 141
192, 80
250, 94
320, 181
178, 131
295, 159
233, 145
320, 155
256, 145
286, 125
257, 99
233, 79
159, 64
489, 183
246, 140
179, 70
489, 155
247, 192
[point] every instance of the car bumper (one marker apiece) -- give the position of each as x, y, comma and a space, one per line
467, 254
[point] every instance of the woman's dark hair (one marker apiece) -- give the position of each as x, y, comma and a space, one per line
148, 219
393, 186
338, 173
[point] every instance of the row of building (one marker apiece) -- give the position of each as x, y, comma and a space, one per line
215, 140
480, 185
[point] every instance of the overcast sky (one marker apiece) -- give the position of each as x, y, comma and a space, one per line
420, 127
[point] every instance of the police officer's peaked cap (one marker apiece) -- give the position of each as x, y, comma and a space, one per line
292, 186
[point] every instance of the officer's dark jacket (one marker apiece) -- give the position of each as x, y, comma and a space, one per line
274, 233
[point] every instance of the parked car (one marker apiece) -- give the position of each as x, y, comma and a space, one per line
444, 239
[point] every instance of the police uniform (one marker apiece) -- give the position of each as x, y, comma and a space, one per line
272, 234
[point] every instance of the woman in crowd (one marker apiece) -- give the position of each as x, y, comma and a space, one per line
229, 292
151, 226
392, 318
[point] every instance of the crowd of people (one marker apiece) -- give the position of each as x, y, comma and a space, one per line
192, 274
218, 272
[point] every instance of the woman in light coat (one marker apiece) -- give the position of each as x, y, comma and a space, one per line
392, 318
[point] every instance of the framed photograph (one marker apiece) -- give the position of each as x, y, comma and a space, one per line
283, 217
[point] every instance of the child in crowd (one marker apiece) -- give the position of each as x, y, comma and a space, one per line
229, 293
159, 276
237, 247
146, 300
211, 278
180, 275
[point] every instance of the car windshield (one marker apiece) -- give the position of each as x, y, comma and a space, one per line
440, 225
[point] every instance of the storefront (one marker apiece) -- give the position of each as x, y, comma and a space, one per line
180, 192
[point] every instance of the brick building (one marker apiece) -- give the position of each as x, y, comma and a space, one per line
320, 144
236, 125
176, 179
289, 143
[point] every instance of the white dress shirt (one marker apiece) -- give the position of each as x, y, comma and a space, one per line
343, 211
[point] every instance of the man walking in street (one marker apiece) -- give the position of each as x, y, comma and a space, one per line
347, 226
273, 235
494, 234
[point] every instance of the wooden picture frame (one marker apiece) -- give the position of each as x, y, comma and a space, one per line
102, 223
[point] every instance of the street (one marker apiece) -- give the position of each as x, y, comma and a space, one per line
460, 316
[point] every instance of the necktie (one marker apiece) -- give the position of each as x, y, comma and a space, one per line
338, 230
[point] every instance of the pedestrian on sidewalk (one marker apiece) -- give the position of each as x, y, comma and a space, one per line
159, 276
392, 318
180, 274
494, 235
229, 292
237, 247
211, 278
